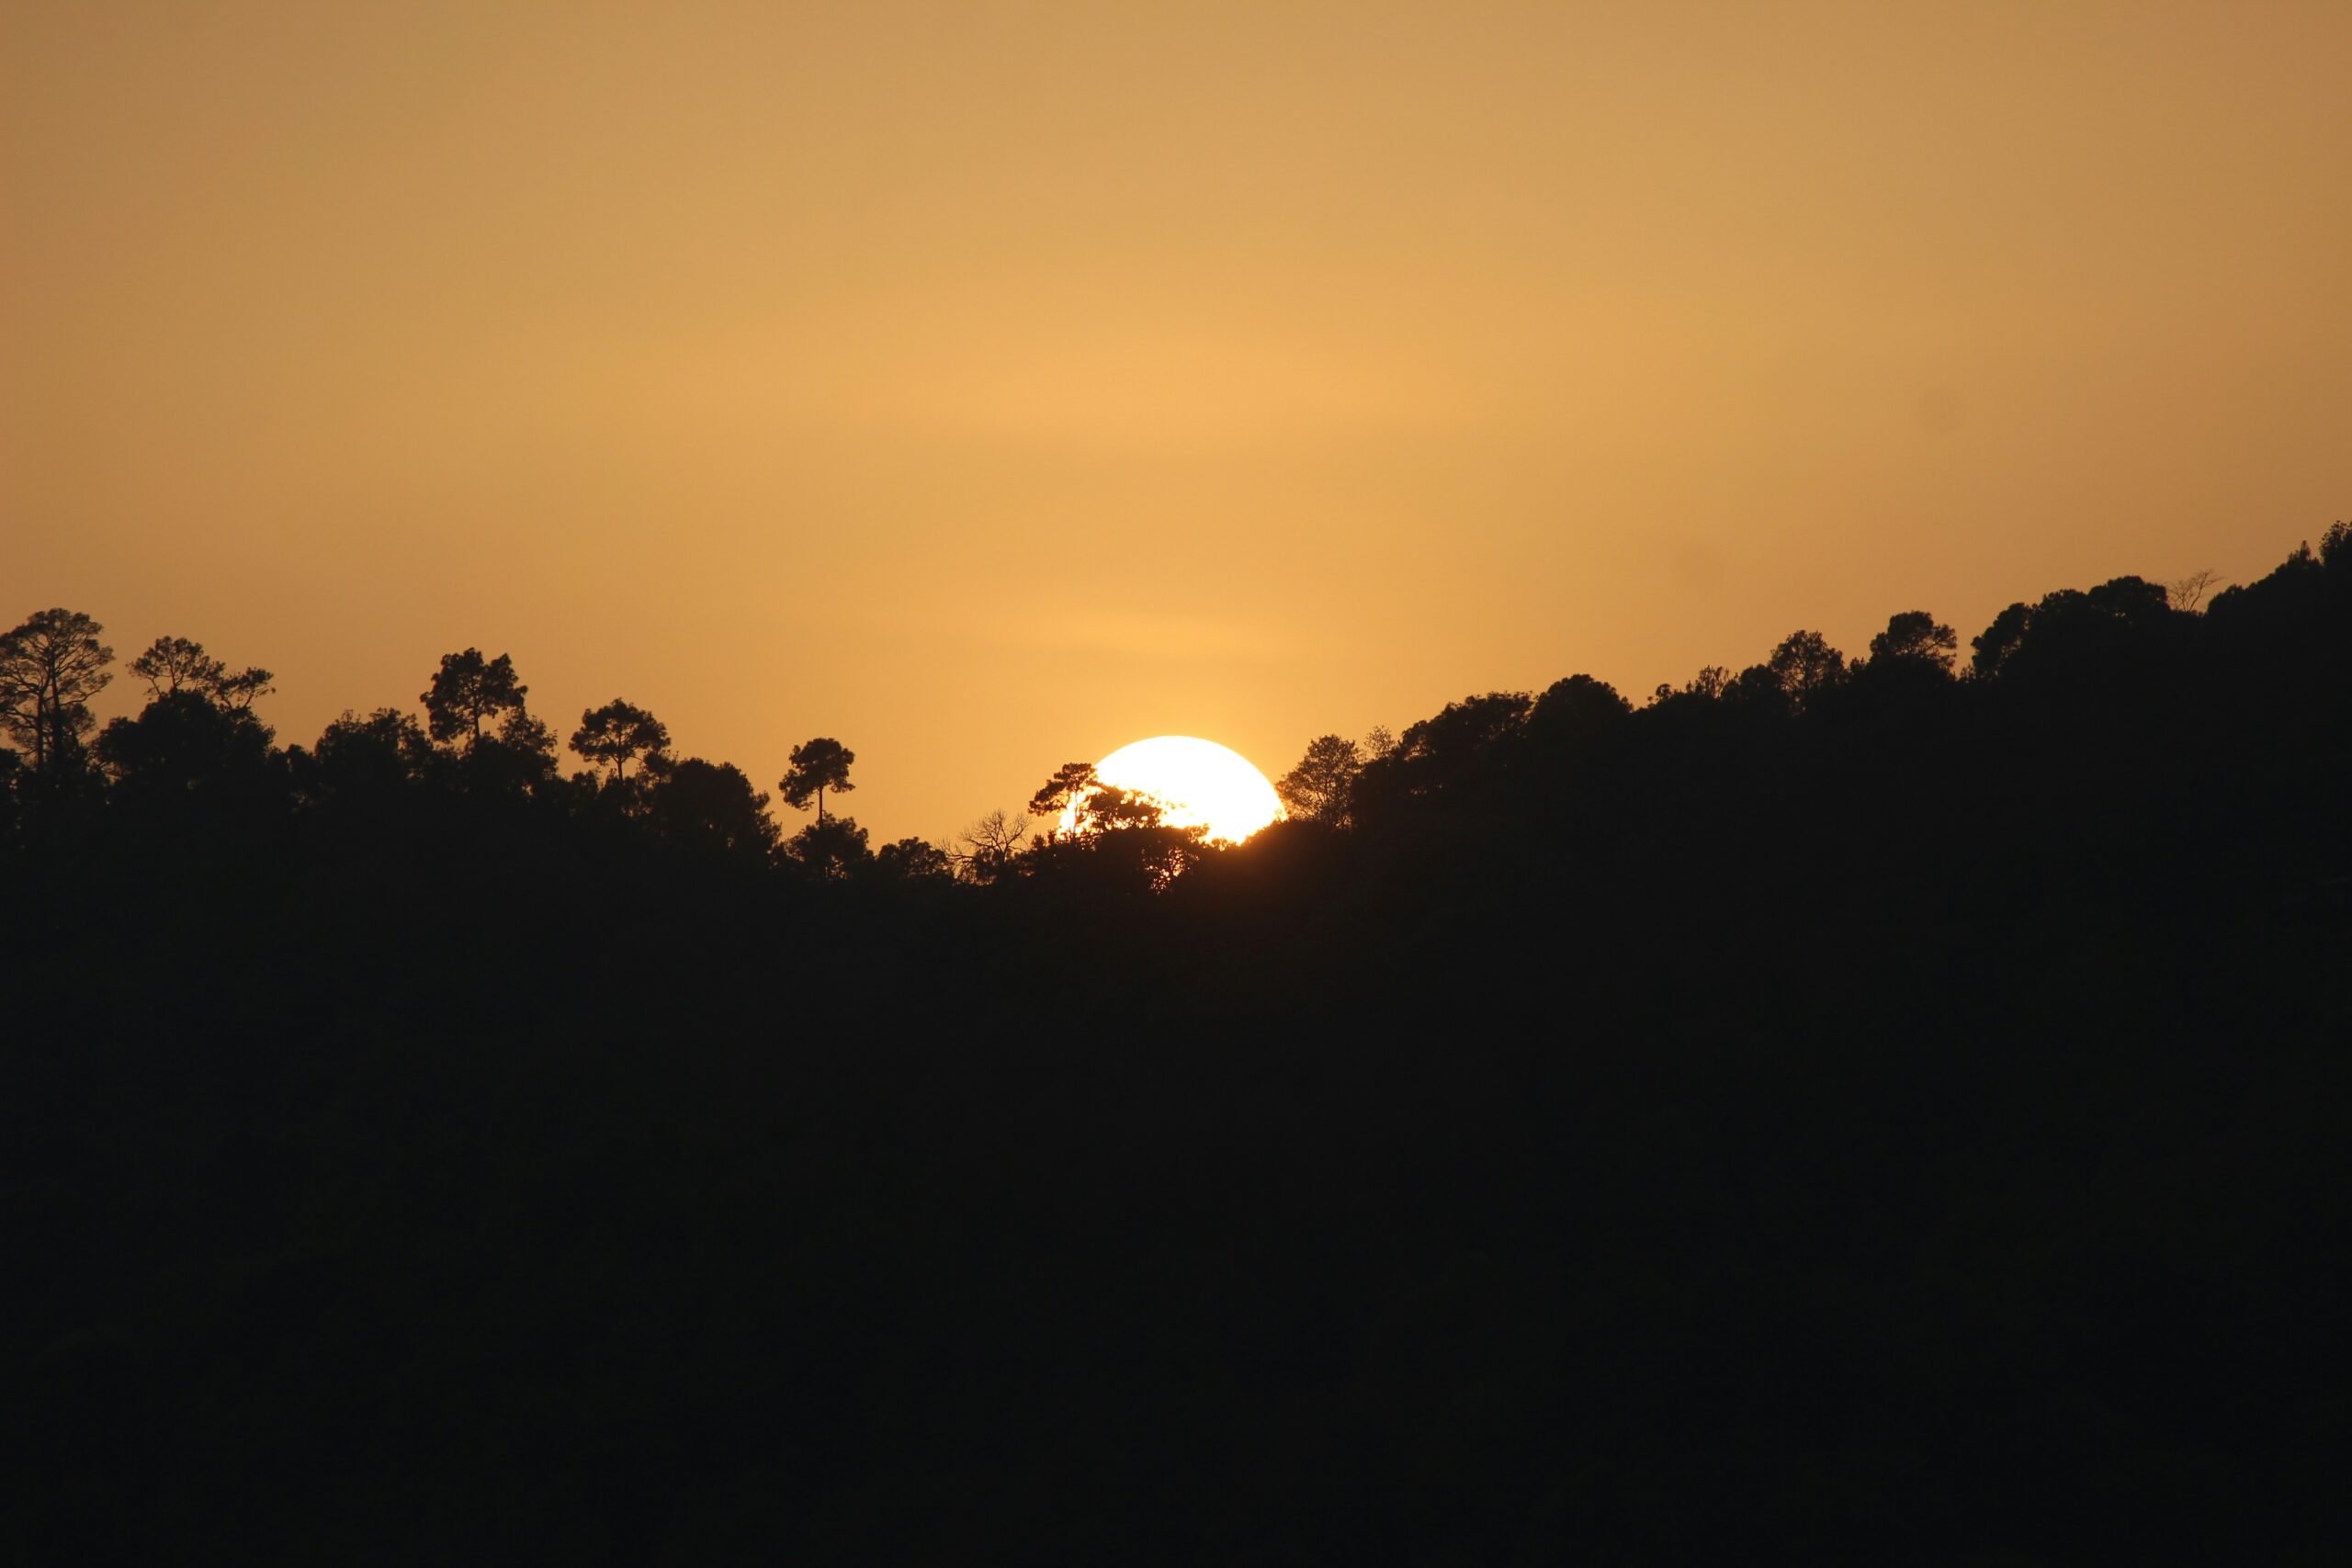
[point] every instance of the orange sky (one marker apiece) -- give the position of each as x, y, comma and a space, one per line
989, 386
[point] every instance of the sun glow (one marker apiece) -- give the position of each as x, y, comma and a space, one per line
1200, 782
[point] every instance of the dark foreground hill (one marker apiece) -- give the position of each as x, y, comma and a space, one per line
1859, 1112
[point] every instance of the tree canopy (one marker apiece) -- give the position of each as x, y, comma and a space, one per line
1584, 1131
172, 664
52, 664
468, 691
816, 766
621, 733
1318, 789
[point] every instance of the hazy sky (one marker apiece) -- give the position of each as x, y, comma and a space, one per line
989, 386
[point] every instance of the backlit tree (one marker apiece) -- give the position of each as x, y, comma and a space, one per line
620, 733
1318, 788
816, 766
51, 666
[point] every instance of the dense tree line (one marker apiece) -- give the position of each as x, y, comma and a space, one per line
1878, 1106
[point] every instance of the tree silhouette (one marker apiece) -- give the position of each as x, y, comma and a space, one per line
913, 860
2186, 594
1111, 810
366, 758
832, 848
620, 733
528, 740
1711, 682
475, 708
1068, 786
711, 806
51, 666
1094, 806
183, 744
1320, 787
174, 663
2135, 599
1917, 638
469, 691
1118, 841
1464, 745
1803, 666
985, 850
1993, 645
1602, 1040
2072, 635
1577, 712
816, 766
1759, 688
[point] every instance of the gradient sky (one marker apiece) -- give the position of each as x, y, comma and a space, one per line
990, 384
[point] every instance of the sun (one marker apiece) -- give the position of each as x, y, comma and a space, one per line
1200, 782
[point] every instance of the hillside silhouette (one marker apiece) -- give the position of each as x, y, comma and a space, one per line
1890, 1104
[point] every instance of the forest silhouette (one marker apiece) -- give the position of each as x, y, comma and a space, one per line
1886, 1107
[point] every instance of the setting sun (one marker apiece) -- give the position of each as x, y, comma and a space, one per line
1200, 782
593, 955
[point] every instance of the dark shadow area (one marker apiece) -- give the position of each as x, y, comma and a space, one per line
1887, 1108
